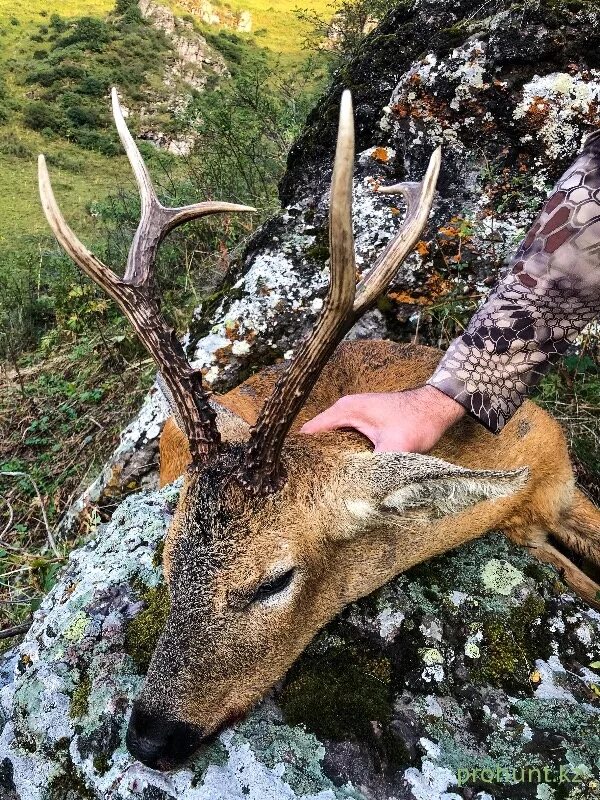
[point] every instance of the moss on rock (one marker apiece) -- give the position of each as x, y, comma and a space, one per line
142, 632
511, 646
80, 698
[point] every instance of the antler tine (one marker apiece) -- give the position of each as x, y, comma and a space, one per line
419, 198
78, 252
262, 472
133, 293
156, 220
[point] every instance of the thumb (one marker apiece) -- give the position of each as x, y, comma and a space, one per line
328, 420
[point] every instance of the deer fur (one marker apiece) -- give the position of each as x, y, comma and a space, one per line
348, 519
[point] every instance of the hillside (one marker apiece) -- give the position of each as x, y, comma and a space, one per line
84, 176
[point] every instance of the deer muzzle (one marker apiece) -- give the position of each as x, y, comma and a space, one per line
158, 742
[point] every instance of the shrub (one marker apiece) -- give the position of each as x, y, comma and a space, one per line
82, 116
58, 23
39, 116
89, 31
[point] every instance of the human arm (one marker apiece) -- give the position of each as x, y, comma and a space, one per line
549, 292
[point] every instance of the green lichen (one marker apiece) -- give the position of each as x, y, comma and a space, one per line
101, 763
77, 628
299, 752
214, 754
501, 577
511, 646
142, 632
80, 698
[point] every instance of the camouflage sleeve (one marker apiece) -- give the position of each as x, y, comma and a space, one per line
550, 291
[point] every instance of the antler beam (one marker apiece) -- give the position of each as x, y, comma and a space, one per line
262, 471
134, 292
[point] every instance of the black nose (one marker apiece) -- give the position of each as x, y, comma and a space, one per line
160, 742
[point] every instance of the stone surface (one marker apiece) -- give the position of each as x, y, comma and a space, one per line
479, 659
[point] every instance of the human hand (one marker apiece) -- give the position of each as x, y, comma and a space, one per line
412, 421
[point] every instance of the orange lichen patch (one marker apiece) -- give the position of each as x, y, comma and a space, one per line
435, 287
231, 331
407, 299
222, 354
538, 112
593, 112
380, 154
422, 248
457, 228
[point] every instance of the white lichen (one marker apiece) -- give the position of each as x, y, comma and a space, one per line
501, 577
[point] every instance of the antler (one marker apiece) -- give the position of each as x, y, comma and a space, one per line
345, 303
134, 292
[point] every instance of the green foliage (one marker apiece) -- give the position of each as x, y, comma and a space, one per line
85, 57
342, 28
245, 127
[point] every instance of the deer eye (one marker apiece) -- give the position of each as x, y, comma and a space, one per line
273, 586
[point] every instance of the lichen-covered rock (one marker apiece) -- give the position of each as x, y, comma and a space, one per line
466, 678
508, 89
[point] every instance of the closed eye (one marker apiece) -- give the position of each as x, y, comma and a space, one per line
273, 586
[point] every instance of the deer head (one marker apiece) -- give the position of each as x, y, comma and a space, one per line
273, 533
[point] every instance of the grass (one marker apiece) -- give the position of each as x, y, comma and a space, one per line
60, 417
80, 177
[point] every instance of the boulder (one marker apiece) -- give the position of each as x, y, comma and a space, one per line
475, 675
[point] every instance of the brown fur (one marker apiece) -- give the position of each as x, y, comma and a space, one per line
550, 505
347, 521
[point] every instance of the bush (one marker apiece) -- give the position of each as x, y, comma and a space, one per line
58, 23
39, 116
87, 56
89, 31
82, 116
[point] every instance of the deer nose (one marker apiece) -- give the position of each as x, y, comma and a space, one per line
158, 742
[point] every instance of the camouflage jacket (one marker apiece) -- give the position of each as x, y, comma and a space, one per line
550, 291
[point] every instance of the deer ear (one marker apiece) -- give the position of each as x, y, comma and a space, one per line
407, 483
231, 427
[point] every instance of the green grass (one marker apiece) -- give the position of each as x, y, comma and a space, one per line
84, 176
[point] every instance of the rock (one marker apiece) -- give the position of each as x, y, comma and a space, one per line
509, 90
448, 669
221, 15
193, 63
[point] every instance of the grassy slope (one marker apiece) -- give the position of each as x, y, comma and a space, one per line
94, 175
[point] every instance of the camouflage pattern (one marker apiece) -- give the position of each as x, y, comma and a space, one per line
550, 291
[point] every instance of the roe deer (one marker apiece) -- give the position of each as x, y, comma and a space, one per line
276, 531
